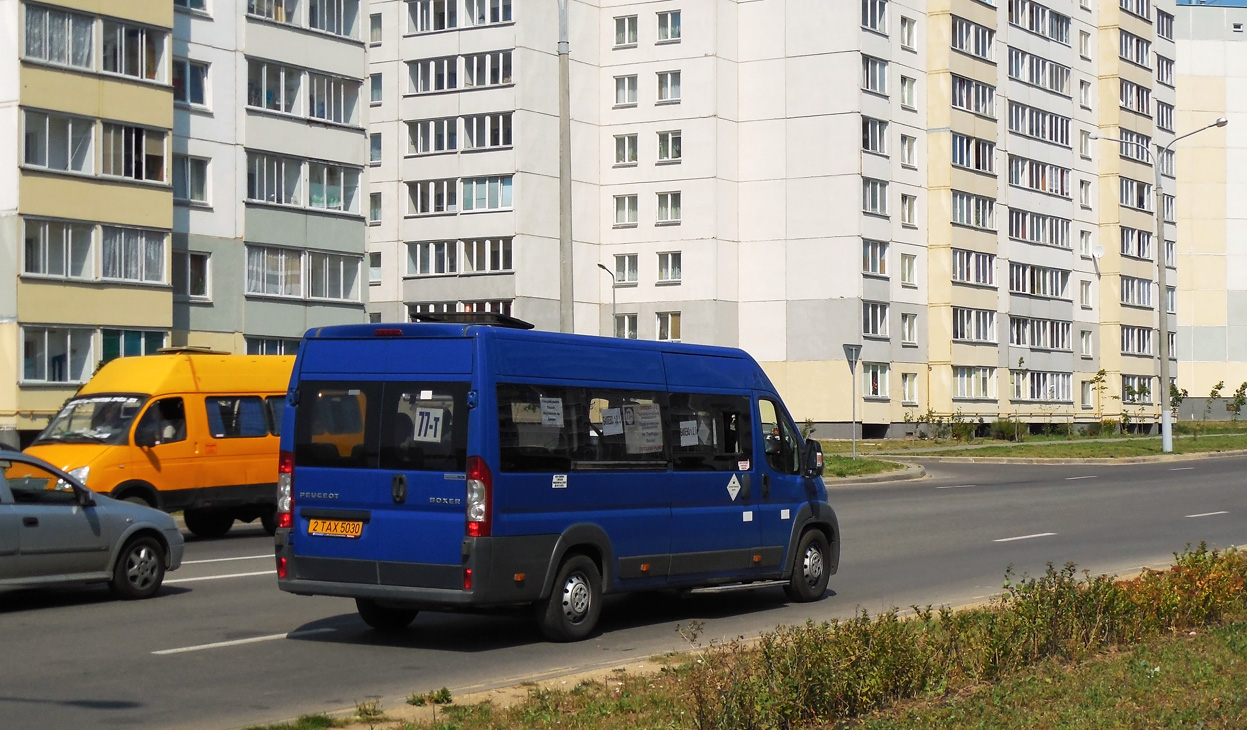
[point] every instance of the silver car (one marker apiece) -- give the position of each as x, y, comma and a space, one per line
55, 531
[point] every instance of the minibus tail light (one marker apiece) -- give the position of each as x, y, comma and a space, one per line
480, 488
285, 490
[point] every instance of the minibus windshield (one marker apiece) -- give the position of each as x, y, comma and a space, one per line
101, 419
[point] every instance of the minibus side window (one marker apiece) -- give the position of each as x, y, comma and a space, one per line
335, 423
424, 427
710, 432
236, 417
626, 430
779, 438
164, 420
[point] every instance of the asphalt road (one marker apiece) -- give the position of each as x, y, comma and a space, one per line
221, 647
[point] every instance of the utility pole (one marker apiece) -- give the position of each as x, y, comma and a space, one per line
566, 300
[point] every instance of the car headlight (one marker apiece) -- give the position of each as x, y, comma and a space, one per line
80, 473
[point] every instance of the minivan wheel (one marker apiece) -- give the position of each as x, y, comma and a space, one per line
208, 523
575, 603
268, 521
384, 618
809, 575
140, 569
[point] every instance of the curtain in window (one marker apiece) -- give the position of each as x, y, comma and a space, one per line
255, 271
154, 257
36, 32
112, 253
80, 47
58, 40
293, 273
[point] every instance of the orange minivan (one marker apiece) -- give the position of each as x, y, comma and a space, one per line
182, 430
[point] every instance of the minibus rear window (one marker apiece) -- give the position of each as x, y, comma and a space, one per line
332, 424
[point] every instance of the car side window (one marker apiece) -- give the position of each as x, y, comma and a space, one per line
779, 438
31, 484
165, 419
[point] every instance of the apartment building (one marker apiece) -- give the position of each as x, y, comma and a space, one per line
1212, 220
86, 113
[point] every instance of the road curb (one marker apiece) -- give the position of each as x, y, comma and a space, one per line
1057, 462
911, 472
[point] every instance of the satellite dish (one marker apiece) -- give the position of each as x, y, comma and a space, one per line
1098, 252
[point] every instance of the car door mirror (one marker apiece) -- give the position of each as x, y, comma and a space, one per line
85, 497
813, 459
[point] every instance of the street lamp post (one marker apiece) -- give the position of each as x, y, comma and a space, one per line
566, 300
611, 274
1166, 416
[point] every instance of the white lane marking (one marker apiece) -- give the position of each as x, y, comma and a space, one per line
957, 486
218, 577
1025, 537
240, 642
1068, 479
1183, 468
226, 560
1209, 514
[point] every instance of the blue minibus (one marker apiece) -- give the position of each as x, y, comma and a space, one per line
463, 466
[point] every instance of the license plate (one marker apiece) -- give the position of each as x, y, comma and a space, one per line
335, 528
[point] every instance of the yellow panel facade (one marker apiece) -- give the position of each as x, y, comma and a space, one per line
91, 199
142, 11
51, 302
99, 97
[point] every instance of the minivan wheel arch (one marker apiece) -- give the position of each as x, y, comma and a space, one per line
821, 518
137, 488
583, 539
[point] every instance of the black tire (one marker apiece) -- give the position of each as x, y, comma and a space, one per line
140, 569
208, 523
575, 603
809, 572
268, 521
383, 618
136, 499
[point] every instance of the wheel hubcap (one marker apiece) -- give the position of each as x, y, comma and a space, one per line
813, 567
141, 567
576, 597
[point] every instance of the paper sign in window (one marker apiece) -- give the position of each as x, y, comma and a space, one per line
688, 433
552, 412
642, 428
612, 422
428, 424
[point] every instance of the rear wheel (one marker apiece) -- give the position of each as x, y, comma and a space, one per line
571, 612
269, 521
140, 569
384, 618
208, 523
809, 575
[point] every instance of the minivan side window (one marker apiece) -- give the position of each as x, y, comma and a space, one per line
779, 438
165, 420
236, 417
710, 432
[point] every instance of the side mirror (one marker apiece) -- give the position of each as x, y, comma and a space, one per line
145, 437
813, 462
85, 498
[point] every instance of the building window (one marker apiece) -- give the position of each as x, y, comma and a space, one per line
1042, 334
190, 274
1167, 163
1084, 94
1084, 144
1135, 98
1041, 386
1164, 116
874, 196
974, 210
374, 29
483, 131
1136, 340
271, 346
130, 343
1038, 71
625, 90
1134, 49
190, 179
432, 258
486, 12
909, 269
1136, 292
669, 267
973, 267
909, 209
333, 16
427, 197
875, 15
668, 326
1136, 244
332, 99
487, 193
972, 38
274, 271
189, 82
1084, 44
433, 74
669, 86
909, 34
1164, 24
1171, 301
1039, 124
272, 86
1040, 20
58, 142
974, 96
374, 267
668, 208
625, 326
132, 50
132, 254
1084, 244
374, 208
973, 153
374, 148
625, 210
669, 26
875, 257
1084, 294
626, 268
909, 388
53, 248
1084, 343
1138, 8
909, 151
1136, 389
669, 146
433, 135
487, 69
625, 149
1171, 252
874, 135
1040, 281
56, 355
875, 379
1048, 230
1164, 70
374, 89
333, 276
974, 325
59, 37
974, 382
280, 11
487, 255
909, 93
875, 319
272, 179
332, 187
1136, 194
909, 329
875, 74
625, 31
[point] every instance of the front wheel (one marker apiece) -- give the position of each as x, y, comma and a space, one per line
384, 618
140, 569
571, 612
208, 523
809, 575
268, 520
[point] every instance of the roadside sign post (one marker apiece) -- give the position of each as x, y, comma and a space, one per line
852, 353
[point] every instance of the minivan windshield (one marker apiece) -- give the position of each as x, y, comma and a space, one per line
97, 419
